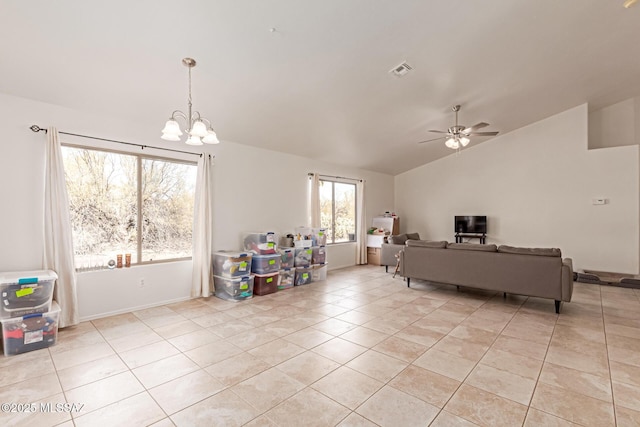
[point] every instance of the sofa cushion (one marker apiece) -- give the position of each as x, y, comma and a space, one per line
413, 236
427, 243
551, 252
398, 239
473, 247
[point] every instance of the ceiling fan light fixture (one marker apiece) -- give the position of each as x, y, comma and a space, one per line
464, 141
452, 143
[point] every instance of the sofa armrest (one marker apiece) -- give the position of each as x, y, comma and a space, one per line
388, 253
567, 279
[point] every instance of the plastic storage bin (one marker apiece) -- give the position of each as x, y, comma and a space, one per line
319, 236
265, 264
231, 264
306, 243
303, 257
319, 272
26, 292
319, 255
265, 284
303, 233
30, 332
287, 256
286, 278
303, 276
233, 288
260, 243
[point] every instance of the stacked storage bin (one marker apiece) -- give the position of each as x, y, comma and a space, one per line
266, 269
266, 261
29, 318
232, 278
302, 237
319, 260
260, 243
319, 264
287, 268
302, 262
310, 258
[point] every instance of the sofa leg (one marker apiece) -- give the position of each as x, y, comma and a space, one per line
557, 306
386, 268
408, 281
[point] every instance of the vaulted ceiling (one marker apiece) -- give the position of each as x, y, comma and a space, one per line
312, 77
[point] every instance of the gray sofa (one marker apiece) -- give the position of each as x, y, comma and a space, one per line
395, 244
523, 271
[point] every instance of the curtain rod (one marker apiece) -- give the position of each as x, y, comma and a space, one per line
333, 176
37, 128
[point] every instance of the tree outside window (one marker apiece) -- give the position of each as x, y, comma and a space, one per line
338, 210
125, 203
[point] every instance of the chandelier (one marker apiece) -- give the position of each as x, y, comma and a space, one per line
197, 127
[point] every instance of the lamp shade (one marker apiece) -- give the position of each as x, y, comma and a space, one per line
199, 129
193, 140
170, 137
172, 128
452, 143
464, 141
211, 138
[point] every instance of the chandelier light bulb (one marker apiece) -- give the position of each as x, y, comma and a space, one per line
193, 140
199, 129
211, 138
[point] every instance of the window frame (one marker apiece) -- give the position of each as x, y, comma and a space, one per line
139, 159
333, 181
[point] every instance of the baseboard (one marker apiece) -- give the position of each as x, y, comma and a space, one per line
131, 309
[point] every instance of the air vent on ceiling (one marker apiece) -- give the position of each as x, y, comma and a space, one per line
401, 70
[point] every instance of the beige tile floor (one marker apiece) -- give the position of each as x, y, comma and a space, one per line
360, 349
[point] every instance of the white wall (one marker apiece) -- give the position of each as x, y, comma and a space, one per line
255, 190
266, 190
615, 125
536, 186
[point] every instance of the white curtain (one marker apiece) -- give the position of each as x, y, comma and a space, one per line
314, 200
58, 239
361, 224
201, 284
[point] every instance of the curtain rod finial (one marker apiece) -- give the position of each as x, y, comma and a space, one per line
36, 128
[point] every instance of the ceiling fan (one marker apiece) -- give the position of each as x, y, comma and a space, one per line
457, 136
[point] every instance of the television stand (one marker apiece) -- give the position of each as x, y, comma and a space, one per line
482, 237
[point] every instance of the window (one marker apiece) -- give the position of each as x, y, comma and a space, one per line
338, 210
128, 204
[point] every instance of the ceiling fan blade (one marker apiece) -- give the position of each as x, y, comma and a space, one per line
429, 140
482, 133
476, 126
438, 131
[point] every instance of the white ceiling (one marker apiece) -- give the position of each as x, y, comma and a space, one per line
318, 86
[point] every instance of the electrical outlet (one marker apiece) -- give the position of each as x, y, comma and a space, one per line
141, 283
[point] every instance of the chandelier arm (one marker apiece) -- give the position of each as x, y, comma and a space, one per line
207, 122
195, 116
178, 114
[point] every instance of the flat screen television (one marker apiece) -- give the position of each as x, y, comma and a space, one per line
471, 224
